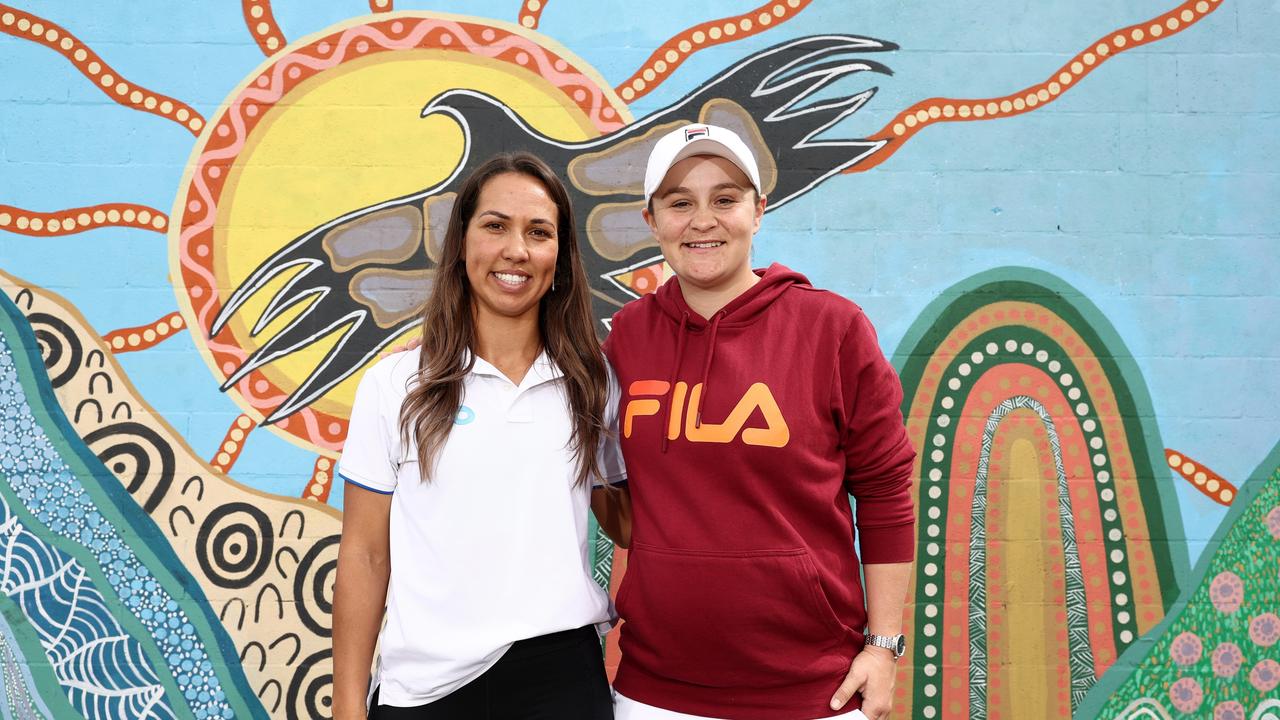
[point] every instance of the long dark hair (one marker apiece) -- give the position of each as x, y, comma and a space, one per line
565, 325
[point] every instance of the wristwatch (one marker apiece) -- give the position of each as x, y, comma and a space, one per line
894, 643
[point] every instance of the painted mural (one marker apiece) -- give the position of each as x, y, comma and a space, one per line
1073, 274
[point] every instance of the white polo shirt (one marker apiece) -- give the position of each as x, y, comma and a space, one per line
493, 548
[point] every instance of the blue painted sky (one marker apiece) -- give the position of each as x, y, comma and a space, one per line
1150, 188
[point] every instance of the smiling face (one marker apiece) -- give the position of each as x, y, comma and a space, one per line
511, 246
704, 215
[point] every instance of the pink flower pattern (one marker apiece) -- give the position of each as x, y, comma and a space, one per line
1227, 592
1186, 649
1265, 629
1265, 675
1186, 695
1229, 710
1227, 660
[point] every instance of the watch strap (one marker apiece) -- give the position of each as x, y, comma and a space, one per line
892, 643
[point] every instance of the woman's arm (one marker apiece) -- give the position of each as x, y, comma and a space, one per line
872, 672
359, 596
612, 508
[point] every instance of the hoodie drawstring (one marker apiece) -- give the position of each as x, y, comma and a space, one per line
671, 384
706, 368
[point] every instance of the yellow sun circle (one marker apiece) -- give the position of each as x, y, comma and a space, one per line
295, 147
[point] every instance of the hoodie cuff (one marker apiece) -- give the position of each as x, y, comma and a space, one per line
892, 544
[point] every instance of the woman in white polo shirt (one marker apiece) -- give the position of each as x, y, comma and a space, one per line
470, 464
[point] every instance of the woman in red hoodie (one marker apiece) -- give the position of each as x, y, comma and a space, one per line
753, 405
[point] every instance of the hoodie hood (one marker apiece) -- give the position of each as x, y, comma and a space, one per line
742, 310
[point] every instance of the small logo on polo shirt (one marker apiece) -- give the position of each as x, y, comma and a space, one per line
465, 416
693, 133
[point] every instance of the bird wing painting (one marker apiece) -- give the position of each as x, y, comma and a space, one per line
366, 272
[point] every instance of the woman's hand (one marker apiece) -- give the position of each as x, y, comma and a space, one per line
413, 344
872, 675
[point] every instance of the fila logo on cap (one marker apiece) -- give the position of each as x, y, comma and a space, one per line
701, 139
695, 132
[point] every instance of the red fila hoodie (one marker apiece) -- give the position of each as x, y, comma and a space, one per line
743, 437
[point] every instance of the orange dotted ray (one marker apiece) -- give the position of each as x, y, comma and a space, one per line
262, 25
939, 110
144, 336
233, 443
531, 12
74, 220
673, 52
24, 25
321, 481
1214, 486
380, 6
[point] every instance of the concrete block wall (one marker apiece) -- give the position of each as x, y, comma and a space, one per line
153, 155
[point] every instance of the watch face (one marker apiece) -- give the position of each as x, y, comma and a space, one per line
901, 647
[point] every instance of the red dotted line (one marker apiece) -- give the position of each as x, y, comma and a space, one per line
673, 52
144, 336
262, 25
233, 443
531, 13
1214, 486
24, 25
321, 481
74, 220
938, 110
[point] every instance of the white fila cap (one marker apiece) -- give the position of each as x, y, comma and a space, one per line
693, 140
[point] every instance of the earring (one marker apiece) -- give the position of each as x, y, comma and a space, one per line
553, 283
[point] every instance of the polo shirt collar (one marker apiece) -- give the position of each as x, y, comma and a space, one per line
543, 370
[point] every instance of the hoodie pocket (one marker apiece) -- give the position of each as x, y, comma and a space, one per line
729, 619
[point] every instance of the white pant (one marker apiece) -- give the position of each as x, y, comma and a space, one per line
625, 708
